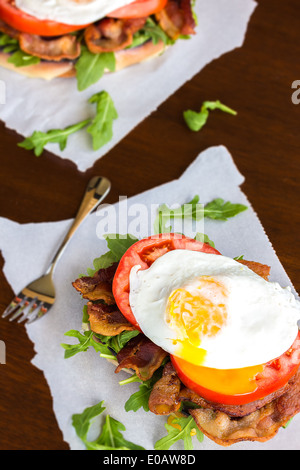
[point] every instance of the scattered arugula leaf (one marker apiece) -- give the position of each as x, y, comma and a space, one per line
100, 128
90, 67
196, 120
110, 437
217, 209
38, 140
183, 429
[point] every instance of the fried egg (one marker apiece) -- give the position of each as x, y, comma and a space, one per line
73, 12
212, 311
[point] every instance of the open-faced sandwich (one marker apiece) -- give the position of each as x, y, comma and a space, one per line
51, 39
224, 338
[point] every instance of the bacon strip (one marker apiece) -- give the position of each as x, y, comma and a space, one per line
56, 49
141, 355
110, 34
107, 319
177, 18
98, 287
164, 397
261, 269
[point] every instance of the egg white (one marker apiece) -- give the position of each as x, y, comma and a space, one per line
261, 316
73, 12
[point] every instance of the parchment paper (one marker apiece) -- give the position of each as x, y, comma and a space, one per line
86, 379
35, 104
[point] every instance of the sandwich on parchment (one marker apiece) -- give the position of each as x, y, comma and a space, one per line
49, 39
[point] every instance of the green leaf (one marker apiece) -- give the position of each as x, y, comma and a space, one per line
150, 31
102, 124
192, 209
85, 341
21, 59
82, 421
140, 399
216, 209
196, 120
38, 140
220, 210
202, 237
118, 244
17, 57
186, 424
110, 437
90, 67
103, 262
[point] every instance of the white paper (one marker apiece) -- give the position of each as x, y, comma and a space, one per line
86, 379
33, 104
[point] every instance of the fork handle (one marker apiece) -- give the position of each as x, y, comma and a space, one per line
97, 189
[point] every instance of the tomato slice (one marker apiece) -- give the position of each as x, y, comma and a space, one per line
250, 384
144, 253
139, 9
25, 23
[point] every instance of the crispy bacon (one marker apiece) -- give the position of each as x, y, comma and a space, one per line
177, 18
63, 47
6, 29
107, 319
164, 397
110, 34
99, 286
141, 355
261, 269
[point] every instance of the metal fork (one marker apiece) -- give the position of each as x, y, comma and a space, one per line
37, 298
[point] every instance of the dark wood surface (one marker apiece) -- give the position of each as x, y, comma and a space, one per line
264, 140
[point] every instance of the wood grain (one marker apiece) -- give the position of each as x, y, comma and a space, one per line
264, 140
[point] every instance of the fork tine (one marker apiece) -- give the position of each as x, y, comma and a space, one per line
34, 304
25, 303
17, 301
41, 310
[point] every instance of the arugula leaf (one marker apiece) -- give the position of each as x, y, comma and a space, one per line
86, 340
101, 126
150, 31
140, 399
38, 140
22, 59
202, 237
90, 67
109, 439
117, 245
183, 429
18, 57
220, 210
196, 120
216, 209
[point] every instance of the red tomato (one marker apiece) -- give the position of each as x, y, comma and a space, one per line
263, 380
25, 23
143, 253
139, 9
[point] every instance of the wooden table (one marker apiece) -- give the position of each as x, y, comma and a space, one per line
264, 140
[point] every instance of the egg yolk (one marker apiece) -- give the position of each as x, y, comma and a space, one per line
195, 312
